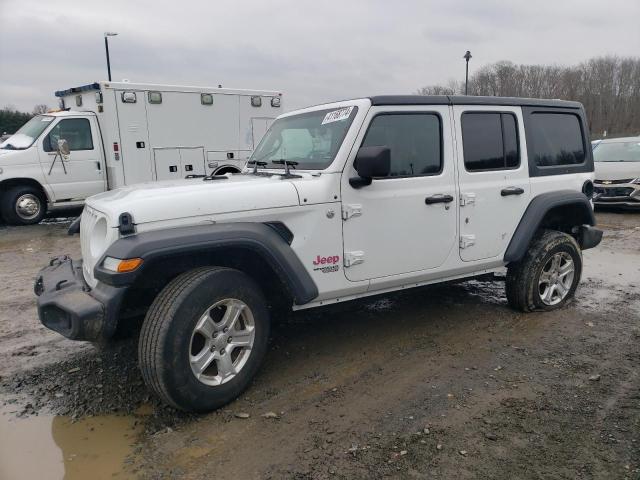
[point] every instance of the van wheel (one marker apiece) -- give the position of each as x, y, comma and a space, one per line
204, 338
23, 205
548, 275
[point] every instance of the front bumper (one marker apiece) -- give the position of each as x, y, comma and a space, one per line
67, 305
614, 193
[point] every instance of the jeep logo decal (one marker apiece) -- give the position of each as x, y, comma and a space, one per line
327, 264
326, 260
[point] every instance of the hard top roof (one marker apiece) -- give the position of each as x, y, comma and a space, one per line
469, 100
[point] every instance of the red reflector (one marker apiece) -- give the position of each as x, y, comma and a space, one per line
116, 147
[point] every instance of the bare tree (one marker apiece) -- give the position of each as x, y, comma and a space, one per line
40, 109
608, 87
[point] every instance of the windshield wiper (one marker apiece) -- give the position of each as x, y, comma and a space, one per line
211, 176
257, 163
287, 163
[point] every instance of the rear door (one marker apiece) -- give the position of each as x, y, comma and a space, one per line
81, 174
134, 136
405, 222
493, 178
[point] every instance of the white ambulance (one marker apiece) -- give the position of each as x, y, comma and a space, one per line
110, 134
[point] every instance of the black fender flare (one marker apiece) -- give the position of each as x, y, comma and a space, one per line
263, 239
535, 213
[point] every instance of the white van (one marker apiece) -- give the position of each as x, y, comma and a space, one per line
110, 134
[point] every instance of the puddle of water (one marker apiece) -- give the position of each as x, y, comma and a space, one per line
54, 447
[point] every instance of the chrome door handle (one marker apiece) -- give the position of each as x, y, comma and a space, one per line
439, 198
505, 192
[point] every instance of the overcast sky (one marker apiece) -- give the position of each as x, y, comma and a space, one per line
312, 51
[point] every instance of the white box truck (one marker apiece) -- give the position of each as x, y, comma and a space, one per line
110, 134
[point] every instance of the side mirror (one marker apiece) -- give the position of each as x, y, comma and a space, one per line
63, 147
371, 162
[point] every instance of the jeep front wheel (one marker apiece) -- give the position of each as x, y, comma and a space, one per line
204, 338
548, 275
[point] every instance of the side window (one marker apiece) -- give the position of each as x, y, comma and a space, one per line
556, 139
490, 141
415, 141
76, 131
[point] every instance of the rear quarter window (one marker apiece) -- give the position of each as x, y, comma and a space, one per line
556, 139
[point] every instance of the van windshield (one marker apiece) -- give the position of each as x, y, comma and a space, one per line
27, 134
617, 152
310, 139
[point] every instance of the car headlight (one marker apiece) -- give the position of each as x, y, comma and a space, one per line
98, 237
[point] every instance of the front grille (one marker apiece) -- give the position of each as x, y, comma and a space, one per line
614, 192
614, 182
88, 221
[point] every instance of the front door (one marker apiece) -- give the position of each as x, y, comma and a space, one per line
81, 174
493, 178
405, 222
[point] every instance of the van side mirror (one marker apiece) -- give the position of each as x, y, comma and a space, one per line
63, 147
371, 162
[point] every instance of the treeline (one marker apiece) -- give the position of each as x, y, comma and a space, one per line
608, 87
11, 119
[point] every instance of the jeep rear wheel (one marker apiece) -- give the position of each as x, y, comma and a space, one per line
204, 338
23, 205
548, 275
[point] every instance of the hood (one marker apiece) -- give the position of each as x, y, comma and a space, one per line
173, 199
617, 170
18, 157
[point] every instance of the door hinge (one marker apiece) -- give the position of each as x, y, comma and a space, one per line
348, 211
467, 199
353, 258
467, 240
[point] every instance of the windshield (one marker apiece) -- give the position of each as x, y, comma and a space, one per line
27, 134
310, 139
617, 152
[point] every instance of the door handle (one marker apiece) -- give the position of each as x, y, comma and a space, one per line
505, 192
98, 166
439, 198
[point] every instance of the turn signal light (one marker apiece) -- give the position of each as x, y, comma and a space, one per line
121, 266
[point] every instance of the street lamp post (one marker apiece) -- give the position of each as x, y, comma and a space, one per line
467, 57
106, 49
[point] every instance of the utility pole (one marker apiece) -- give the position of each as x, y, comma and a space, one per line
467, 57
106, 49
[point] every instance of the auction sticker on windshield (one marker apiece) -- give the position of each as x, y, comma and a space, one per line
337, 115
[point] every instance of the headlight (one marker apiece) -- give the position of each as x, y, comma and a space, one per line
98, 238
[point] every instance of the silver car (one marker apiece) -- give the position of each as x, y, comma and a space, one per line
617, 168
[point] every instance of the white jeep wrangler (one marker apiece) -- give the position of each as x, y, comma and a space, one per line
338, 202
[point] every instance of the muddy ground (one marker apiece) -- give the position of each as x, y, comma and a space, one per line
438, 382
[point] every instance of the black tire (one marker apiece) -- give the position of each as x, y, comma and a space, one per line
522, 284
12, 214
165, 339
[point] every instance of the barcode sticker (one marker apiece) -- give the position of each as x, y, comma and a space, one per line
337, 115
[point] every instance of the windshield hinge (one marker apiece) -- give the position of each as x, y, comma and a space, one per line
348, 211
